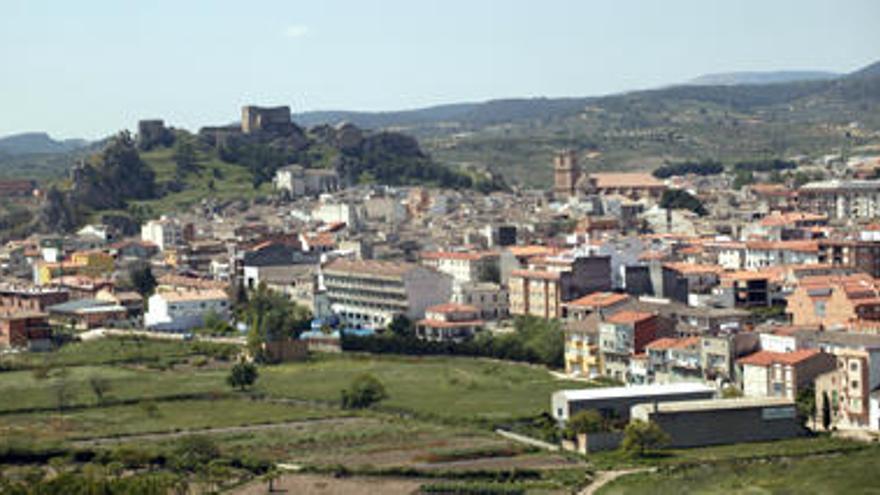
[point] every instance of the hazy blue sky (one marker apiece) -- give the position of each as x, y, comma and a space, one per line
90, 67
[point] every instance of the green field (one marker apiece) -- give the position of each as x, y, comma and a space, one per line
445, 387
857, 472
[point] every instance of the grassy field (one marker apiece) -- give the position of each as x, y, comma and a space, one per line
856, 472
446, 387
151, 417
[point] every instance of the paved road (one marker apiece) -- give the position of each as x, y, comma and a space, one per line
605, 477
216, 431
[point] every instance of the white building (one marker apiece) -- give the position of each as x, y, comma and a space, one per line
337, 213
164, 233
184, 310
370, 293
842, 199
464, 267
296, 181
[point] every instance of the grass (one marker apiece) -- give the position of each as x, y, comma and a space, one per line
164, 417
22, 391
434, 387
857, 472
797, 447
112, 351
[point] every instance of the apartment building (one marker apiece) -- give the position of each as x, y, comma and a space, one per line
841, 199
549, 282
624, 334
166, 232
847, 397
490, 299
775, 374
370, 293
836, 301
465, 267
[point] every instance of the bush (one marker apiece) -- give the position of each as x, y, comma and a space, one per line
363, 392
471, 489
641, 436
194, 452
242, 375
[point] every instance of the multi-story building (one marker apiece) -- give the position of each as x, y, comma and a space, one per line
672, 360
25, 329
449, 322
774, 374
842, 199
465, 267
542, 289
834, 301
847, 397
296, 181
762, 254
582, 307
624, 334
490, 299
859, 255
370, 293
166, 232
184, 310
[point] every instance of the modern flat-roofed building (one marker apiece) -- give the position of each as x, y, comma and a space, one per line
617, 401
183, 310
696, 423
370, 293
841, 199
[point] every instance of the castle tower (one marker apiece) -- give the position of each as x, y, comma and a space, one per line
565, 174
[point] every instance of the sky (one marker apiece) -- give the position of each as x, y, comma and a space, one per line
88, 68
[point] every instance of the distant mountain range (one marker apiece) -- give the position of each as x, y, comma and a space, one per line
739, 78
38, 143
740, 115
725, 117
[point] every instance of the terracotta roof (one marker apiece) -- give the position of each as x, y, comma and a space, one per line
535, 274
617, 180
768, 358
371, 267
667, 343
693, 268
599, 300
194, 295
802, 246
532, 250
172, 280
451, 308
454, 255
450, 324
780, 219
627, 316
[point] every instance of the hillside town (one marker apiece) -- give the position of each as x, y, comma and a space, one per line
766, 295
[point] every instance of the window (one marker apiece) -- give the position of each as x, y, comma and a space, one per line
854, 366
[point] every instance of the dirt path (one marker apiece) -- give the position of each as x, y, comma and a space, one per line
605, 477
299, 424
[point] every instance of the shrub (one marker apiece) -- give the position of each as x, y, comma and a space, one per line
364, 391
641, 436
242, 375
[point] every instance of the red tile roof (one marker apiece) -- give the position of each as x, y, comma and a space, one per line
599, 300
768, 358
627, 316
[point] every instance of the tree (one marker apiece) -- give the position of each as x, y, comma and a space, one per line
588, 421
242, 375
681, 199
63, 394
743, 178
401, 326
641, 436
100, 386
142, 279
826, 411
364, 391
185, 159
271, 475
272, 317
193, 452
